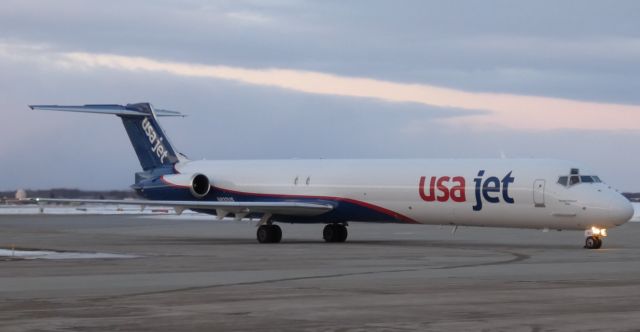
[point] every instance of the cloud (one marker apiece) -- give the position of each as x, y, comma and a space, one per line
581, 52
505, 110
485, 110
246, 121
384, 58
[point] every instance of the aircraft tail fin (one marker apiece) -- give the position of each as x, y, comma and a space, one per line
149, 141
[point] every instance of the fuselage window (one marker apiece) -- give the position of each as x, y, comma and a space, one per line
574, 180
563, 180
575, 171
586, 178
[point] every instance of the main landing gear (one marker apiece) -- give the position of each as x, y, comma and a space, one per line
594, 237
335, 233
269, 233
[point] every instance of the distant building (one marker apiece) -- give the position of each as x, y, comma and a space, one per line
21, 194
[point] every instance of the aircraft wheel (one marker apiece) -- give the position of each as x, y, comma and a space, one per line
269, 234
335, 233
342, 232
329, 233
263, 234
277, 233
599, 244
592, 242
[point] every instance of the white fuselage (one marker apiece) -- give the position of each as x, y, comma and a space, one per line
521, 193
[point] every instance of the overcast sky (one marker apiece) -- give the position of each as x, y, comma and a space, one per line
331, 79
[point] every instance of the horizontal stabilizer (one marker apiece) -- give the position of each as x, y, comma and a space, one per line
149, 140
104, 109
276, 208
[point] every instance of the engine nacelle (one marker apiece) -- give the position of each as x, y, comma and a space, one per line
198, 184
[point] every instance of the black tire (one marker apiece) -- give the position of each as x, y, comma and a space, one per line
334, 233
329, 233
591, 242
276, 232
269, 234
599, 243
263, 234
342, 233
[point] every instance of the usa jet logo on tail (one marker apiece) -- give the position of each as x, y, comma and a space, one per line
446, 188
155, 140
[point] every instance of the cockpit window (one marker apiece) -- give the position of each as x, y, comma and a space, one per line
574, 180
586, 179
563, 180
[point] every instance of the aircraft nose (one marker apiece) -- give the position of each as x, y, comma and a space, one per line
621, 209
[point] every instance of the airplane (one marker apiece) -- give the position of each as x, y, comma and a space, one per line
516, 193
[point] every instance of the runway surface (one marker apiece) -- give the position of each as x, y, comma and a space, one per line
206, 275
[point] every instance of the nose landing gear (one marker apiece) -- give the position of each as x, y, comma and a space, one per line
594, 237
593, 242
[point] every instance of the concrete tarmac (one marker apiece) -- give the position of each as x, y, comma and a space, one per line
206, 275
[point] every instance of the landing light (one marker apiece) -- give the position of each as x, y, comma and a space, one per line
598, 231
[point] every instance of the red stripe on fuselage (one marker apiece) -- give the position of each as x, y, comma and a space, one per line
377, 208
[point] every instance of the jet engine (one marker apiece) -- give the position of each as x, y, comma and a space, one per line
198, 184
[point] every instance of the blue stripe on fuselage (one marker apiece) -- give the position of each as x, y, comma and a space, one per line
344, 210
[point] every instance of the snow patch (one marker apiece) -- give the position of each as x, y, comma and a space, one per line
46, 254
